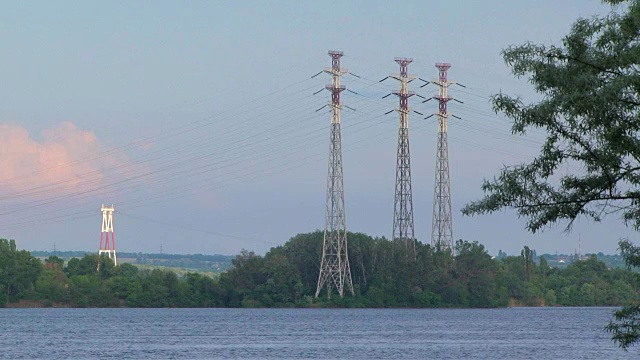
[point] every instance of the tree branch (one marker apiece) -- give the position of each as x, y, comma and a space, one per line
571, 58
572, 202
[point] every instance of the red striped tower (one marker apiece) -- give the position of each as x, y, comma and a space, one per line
107, 236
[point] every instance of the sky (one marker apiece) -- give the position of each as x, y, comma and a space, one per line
197, 120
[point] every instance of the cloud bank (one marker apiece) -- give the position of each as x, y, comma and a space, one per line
65, 159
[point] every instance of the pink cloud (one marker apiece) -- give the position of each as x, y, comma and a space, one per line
59, 161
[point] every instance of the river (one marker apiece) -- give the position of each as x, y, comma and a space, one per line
510, 333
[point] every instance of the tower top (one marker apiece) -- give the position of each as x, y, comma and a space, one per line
106, 208
443, 67
402, 60
404, 64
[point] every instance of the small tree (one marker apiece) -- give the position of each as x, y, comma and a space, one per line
626, 330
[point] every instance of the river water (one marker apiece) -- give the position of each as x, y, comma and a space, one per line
513, 333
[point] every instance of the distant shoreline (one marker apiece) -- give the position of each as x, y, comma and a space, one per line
43, 304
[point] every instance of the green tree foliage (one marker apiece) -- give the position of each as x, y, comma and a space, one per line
527, 260
625, 329
477, 272
385, 274
52, 284
590, 88
18, 272
246, 281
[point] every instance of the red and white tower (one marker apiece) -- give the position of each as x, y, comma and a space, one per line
107, 236
334, 266
403, 204
442, 224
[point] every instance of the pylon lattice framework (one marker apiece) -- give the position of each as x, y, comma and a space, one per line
403, 229
107, 236
334, 267
442, 224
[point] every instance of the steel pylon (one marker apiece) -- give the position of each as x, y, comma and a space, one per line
403, 228
334, 267
442, 224
107, 235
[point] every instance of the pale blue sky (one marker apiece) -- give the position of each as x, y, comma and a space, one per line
254, 166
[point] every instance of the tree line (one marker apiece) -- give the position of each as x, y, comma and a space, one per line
385, 274
203, 262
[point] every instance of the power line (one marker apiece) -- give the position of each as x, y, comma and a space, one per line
215, 233
178, 130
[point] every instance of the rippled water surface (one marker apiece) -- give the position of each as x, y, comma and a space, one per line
517, 333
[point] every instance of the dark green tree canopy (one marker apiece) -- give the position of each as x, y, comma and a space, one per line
590, 89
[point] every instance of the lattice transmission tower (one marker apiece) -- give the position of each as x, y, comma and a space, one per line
403, 229
334, 267
107, 236
442, 224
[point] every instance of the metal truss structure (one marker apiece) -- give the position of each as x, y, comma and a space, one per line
107, 236
403, 229
334, 267
442, 224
